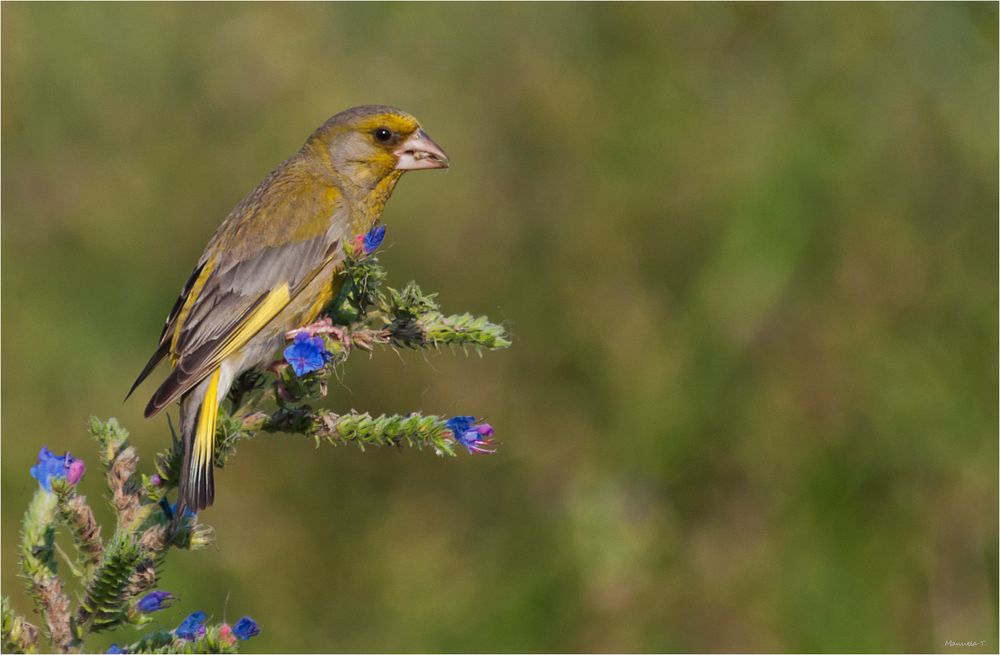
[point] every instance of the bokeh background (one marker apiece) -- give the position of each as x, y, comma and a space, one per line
748, 254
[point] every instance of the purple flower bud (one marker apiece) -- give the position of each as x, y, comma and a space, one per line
75, 470
191, 628
246, 628
156, 481
226, 635
154, 601
475, 438
52, 466
307, 354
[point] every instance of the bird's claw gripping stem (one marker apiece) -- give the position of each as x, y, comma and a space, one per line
323, 326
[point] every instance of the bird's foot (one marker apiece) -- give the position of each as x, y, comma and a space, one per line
323, 326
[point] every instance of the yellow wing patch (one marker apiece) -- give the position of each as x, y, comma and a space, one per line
186, 307
275, 301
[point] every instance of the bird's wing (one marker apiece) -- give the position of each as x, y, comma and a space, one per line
263, 255
163, 347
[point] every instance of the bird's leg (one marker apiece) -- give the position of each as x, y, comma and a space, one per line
322, 326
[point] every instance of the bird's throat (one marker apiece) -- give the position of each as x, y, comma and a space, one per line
373, 202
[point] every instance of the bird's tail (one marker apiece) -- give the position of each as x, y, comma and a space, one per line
198, 414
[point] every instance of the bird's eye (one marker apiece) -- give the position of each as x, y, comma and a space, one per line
383, 135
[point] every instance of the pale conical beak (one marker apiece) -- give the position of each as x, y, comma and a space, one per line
420, 152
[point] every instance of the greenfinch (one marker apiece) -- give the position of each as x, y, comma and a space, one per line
273, 265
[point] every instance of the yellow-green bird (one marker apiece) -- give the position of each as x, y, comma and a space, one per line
273, 265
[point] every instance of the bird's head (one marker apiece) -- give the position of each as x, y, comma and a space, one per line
369, 143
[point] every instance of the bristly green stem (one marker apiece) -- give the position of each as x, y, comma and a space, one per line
38, 564
361, 429
77, 515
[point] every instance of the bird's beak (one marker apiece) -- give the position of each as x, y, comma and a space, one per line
420, 152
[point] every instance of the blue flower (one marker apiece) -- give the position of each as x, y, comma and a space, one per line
114, 648
191, 628
154, 601
476, 438
373, 239
51, 466
246, 628
189, 514
170, 510
307, 354
459, 424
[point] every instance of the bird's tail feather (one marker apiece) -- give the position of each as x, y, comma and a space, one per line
197, 484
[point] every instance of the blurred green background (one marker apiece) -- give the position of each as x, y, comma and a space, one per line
748, 254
